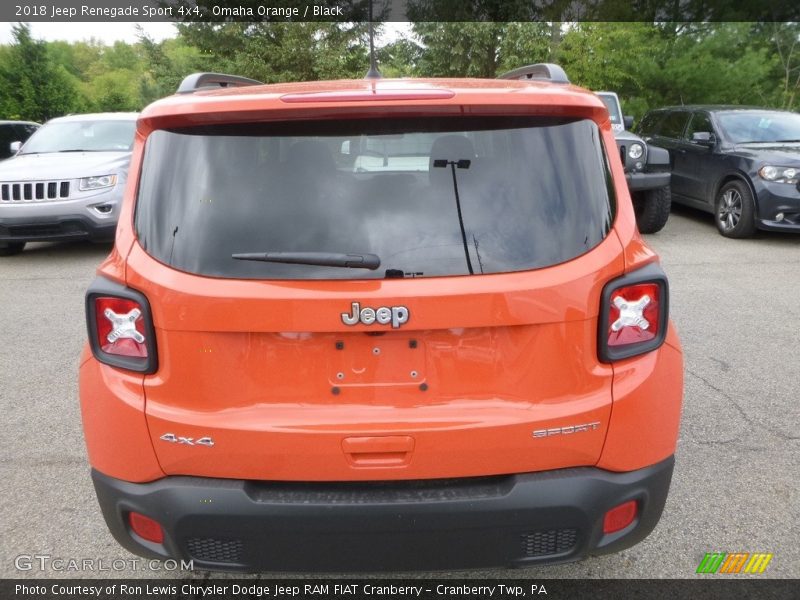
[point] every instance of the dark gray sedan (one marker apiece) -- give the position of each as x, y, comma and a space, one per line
740, 164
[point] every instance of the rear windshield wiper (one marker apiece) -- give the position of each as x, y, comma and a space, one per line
323, 259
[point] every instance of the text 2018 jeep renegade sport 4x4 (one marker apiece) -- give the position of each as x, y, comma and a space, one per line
379, 325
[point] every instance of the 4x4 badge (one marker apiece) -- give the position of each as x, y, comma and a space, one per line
396, 315
177, 439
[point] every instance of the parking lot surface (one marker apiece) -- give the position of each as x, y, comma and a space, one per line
736, 305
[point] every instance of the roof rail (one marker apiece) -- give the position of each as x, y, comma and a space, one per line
538, 72
199, 81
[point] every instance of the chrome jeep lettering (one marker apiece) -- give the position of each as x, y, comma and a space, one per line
396, 315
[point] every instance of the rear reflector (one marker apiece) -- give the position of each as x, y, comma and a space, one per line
620, 517
146, 528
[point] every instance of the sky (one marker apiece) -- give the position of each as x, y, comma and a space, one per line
106, 32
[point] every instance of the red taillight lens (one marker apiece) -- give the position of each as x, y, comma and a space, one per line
620, 517
120, 327
634, 314
146, 528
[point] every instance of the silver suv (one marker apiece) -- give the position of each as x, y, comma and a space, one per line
66, 181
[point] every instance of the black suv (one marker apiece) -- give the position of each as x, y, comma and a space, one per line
741, 164
646, 169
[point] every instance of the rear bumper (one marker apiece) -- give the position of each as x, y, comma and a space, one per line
516, 520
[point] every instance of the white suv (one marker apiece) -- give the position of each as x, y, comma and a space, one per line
66, 181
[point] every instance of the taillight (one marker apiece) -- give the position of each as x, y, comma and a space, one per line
120, 327
633, 317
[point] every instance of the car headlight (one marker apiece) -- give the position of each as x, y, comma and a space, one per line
780, 174
97, 182
636, 151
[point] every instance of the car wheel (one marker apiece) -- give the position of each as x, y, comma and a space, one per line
735, 211
652, 209
11, 248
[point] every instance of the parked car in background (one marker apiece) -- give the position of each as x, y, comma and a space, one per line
740, 164
646, 169
14, 131
66, 181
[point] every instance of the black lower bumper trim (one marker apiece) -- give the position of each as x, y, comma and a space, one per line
516, 520
790, 224
647, 181
55, 229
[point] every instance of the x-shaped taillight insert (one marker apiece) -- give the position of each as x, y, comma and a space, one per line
631, 313
123, 326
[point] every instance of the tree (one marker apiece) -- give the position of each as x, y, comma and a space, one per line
481, 49
280, 51
167, 63
459, 49
32, 86
399, 58
715, 63
783, 43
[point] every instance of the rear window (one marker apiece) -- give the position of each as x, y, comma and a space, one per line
429, 197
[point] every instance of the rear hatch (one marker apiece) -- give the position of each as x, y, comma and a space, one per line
376, 299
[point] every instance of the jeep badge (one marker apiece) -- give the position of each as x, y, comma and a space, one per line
396, 315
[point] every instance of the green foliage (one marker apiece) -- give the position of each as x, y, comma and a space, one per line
32, 86
481, 49
460, 49
528, 43
647, 64
166, 64
281, 51
399, 58
781, 42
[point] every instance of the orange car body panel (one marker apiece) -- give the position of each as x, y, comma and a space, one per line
114, 424
254, 364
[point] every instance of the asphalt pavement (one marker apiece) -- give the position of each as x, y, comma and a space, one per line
736, 304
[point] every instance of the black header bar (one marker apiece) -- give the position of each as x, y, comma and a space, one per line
706, 587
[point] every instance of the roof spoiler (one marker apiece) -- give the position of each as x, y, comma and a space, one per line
200, 81
539, 72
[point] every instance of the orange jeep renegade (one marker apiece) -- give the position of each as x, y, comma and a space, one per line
379, 325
